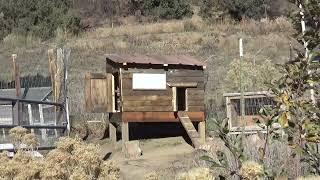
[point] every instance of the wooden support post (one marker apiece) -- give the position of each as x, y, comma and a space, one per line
4, 133
112, 132
30, 116
124, 133
17, 106
202, 131
43, 131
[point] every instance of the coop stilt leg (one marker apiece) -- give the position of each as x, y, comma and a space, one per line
125, 133
202, 131
112, 133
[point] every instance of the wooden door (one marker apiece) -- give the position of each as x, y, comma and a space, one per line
99, 93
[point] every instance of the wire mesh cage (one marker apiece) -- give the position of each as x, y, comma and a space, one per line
253, 102
46, 120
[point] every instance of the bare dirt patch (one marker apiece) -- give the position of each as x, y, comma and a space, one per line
166, 157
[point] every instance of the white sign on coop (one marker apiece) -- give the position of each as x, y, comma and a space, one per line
149, 81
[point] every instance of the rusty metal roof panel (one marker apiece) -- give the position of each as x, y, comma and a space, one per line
155, 59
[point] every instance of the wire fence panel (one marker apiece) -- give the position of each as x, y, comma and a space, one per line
253, 104
47, 121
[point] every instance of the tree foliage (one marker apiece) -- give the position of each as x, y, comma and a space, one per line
237, 9
166, 9
297, 115
253, 76
37, 17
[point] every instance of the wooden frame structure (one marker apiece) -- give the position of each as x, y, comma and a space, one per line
262, 98
147, 88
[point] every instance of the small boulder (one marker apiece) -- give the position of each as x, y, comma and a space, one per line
132, 149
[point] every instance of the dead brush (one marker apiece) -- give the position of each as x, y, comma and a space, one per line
72, 159
251, 170
196, 174
17, 133
151, 176
109, 171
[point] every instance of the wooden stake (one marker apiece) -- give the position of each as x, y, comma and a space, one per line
52, 69
16, 73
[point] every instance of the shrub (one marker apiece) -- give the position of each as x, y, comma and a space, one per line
237, 9
72, 159
189, 26
253, 76
38, 18
151, 176
251, 170
17, 134
212, 9
166, 9
196, 174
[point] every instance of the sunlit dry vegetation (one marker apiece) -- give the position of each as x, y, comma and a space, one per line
72, 159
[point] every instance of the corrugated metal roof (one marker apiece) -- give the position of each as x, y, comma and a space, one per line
37, 93
155, 59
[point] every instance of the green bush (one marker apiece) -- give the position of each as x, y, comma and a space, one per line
38, 18
237, 9
213, 9
166, 9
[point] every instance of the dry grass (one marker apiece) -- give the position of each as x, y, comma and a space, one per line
151, 176
309, 178
216, 43
251, 170
196, 174
72, 159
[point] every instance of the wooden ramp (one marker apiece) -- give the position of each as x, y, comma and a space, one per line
188, 126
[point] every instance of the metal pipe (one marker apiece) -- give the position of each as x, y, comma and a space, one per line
34, 126
38, 148
30, 101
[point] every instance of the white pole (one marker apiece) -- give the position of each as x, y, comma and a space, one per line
307, 54
242, 104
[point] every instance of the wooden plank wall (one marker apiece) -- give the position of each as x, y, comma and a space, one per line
195, 96
144, 100
161, 100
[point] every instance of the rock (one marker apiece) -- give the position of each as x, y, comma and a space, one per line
132, 149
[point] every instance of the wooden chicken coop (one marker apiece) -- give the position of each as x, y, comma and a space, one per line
149, 88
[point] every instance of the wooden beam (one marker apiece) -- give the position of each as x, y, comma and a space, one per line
124, 133
112, 132
202, 131
163, 108
187, 100
43, 131
30, 116
182, 84
52, 69
146, 98
159, 116
147, 103
31, 101
16, 72
174, 98
17, 107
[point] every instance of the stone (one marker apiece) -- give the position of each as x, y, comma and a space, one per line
132, 149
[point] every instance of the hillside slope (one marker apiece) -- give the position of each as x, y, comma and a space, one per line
217, 44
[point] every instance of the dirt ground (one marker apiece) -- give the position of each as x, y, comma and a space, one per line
165, 156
